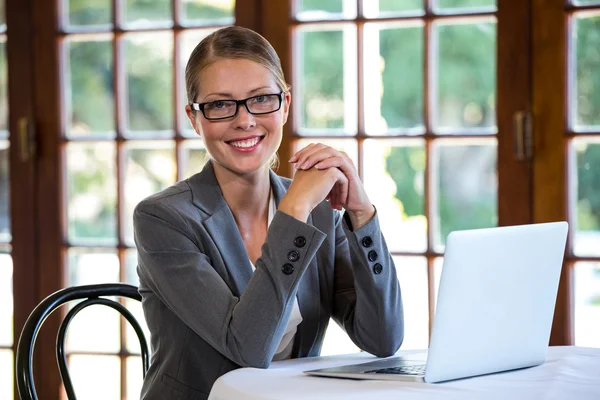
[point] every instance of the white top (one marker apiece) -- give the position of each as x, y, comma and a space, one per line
284, 351
568, 373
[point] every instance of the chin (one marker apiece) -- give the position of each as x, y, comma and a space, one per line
247, 167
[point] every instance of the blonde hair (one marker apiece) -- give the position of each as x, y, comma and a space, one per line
233, 42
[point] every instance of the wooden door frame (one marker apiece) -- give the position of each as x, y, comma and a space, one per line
549, 94
513, 79
23, 170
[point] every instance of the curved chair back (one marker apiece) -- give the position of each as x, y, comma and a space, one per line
90, 294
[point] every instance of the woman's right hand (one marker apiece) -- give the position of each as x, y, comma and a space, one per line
310, 187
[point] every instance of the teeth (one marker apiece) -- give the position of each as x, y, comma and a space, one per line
245, 143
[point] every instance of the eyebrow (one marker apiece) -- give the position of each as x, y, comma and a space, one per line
223, 94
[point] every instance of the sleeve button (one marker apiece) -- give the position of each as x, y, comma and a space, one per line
367, 241
372, 255
377, 268
300, 241
287, 269
293, 256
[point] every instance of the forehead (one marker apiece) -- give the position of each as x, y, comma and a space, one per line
236, 77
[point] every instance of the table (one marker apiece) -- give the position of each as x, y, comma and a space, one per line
568, 373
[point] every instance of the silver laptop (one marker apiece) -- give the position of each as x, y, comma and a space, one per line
494, 311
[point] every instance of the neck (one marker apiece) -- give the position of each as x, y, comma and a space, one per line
247, 195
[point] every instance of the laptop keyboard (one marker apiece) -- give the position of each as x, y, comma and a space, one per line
417, 369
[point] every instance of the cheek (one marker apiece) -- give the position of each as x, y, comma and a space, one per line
210, 130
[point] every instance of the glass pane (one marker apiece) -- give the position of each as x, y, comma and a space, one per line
467, 187
149, 65
390, 102
587, 88
188, 41
134, 306
388, 8
587, 304
6, 301
86, 12
394, 177
149, 168
141, 13
5, 235
347, 145
96, 377
587, 195
131, 276
92, 193
134, 377
412, 275
466, 4
193, 157
89, 93
325, 9
221, 12
583, 2
6, 374
96, 328
466, 76
3, 89
327, 100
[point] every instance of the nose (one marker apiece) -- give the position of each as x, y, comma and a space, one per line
244, 120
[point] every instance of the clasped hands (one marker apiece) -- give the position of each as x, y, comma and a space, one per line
324, 173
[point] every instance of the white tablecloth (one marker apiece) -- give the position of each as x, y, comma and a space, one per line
568, 373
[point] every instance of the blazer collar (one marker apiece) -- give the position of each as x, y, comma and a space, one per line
207, 194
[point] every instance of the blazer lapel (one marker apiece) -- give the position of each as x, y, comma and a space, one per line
221, 226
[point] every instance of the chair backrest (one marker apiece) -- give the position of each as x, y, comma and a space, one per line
90, 294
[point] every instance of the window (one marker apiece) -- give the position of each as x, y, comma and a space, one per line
126, 136
408, 90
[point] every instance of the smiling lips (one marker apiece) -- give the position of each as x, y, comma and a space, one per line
245, 144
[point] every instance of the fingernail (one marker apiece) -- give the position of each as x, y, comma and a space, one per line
305, 165
318, 166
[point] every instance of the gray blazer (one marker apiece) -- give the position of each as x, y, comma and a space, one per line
208, 313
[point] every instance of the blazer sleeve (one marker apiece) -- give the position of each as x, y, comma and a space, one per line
367, 300
245, 329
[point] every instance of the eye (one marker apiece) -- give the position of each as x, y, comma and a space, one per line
260, 99
215, 105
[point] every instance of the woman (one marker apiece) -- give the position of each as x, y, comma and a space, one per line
238, 266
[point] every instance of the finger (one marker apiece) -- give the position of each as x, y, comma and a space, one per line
317, 156
342, 163
301, 161
299, 153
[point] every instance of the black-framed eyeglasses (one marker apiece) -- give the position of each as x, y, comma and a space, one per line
223, 109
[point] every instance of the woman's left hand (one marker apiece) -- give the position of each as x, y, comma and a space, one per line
320, 156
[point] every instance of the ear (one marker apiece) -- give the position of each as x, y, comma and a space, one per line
194, 117
287, 100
